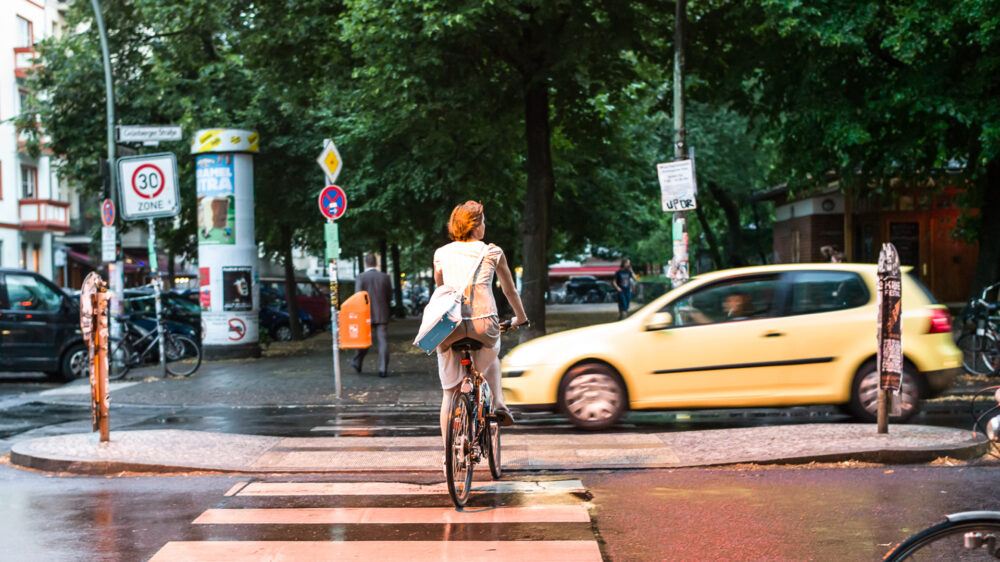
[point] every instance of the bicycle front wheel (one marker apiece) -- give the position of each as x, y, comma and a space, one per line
971, 535
980, 353
183, 355
458, 450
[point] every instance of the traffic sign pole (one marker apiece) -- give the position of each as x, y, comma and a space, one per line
154, 269
334, 315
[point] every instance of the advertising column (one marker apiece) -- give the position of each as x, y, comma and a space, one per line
227, 247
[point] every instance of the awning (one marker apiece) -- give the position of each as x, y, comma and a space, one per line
595, 270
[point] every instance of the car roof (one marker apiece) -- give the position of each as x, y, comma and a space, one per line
863, 268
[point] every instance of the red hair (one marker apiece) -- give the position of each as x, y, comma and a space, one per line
464, 219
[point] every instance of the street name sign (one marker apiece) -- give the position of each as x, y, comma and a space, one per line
149, 133
332, 202
147, 186
330, 162
677, 185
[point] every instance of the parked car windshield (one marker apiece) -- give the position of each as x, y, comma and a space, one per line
26, 292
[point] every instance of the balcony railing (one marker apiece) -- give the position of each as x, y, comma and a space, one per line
24, 60
44, 214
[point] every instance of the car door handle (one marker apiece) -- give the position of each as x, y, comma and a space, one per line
772, 334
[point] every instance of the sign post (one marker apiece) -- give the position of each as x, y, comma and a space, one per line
890, 343
332, 204
148, 190
109, 236
678, 191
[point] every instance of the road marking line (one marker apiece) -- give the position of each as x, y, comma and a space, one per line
409, 551
393, 515
393, 488
374, 427
236, 488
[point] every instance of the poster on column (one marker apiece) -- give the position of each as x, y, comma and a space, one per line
216, 199
237, 288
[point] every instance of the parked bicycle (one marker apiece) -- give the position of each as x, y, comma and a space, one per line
980, 340
969, 535
473, 430
139, 346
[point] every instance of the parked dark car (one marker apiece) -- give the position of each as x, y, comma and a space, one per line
181, 315
274, 316
586, 288
39, 327
309, 296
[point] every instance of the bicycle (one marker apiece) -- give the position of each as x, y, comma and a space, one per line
980, 340
473, 429
969, 535
182, 354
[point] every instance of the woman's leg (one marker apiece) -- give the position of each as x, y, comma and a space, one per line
446, 397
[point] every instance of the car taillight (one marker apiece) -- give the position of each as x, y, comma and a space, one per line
940, 322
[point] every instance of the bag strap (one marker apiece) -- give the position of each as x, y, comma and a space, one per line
475, 268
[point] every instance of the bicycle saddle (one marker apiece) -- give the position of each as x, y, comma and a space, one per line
467, 344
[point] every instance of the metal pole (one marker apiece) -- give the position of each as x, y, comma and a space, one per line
335, 323
116, 274
679, 222
154, 270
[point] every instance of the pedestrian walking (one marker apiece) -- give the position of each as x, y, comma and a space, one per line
832, 253
623, 282
453, 264
379, 288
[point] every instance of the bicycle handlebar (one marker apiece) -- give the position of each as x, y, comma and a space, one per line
506, 325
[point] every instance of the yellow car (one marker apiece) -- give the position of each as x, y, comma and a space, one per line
777, 335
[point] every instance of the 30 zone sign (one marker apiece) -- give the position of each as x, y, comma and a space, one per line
148, 186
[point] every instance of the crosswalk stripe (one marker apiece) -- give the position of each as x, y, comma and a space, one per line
410, 551
393, 515
393, 488
236, 488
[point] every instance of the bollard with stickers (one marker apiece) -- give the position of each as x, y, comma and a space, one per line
890, 343
94, 301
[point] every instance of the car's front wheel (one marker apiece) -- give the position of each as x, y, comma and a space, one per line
283, 333
592, 396
75, 363
864, 393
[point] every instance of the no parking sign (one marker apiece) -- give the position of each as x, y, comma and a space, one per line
148, 186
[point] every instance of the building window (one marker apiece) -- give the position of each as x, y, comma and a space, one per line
25, 35
29, 182
22, 99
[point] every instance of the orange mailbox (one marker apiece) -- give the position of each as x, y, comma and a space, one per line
356, 322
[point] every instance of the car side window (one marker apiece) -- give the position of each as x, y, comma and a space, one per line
733, 300
26, 292
827, 291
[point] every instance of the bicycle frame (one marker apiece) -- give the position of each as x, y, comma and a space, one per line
153, 337
480, 395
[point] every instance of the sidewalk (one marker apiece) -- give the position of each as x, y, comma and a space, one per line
300, 374
167, 451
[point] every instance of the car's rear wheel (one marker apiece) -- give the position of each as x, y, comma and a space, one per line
283, 333
592, 396
864, 393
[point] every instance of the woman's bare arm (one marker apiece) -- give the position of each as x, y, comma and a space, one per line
510, 290
438, 276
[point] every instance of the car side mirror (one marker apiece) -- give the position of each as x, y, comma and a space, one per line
659, 321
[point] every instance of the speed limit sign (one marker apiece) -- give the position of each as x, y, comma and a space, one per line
148, 186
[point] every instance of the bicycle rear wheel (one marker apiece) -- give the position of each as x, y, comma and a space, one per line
980, 353
971, 535
491, 437
458, 450
182, 353
120, 358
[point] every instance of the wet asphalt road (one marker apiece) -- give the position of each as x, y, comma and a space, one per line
826, 513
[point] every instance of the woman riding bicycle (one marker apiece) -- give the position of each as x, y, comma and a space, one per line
453, 264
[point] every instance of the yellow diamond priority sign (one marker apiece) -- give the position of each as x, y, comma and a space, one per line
329, 160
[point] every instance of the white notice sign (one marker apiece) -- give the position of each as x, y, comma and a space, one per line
677, 185
108, 236
148, 186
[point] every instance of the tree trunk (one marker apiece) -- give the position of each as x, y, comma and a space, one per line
397, 282
537, 200
735, 246
290, 288
383, 255
713, 245
988, 266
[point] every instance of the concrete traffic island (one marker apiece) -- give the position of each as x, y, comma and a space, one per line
166, 451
